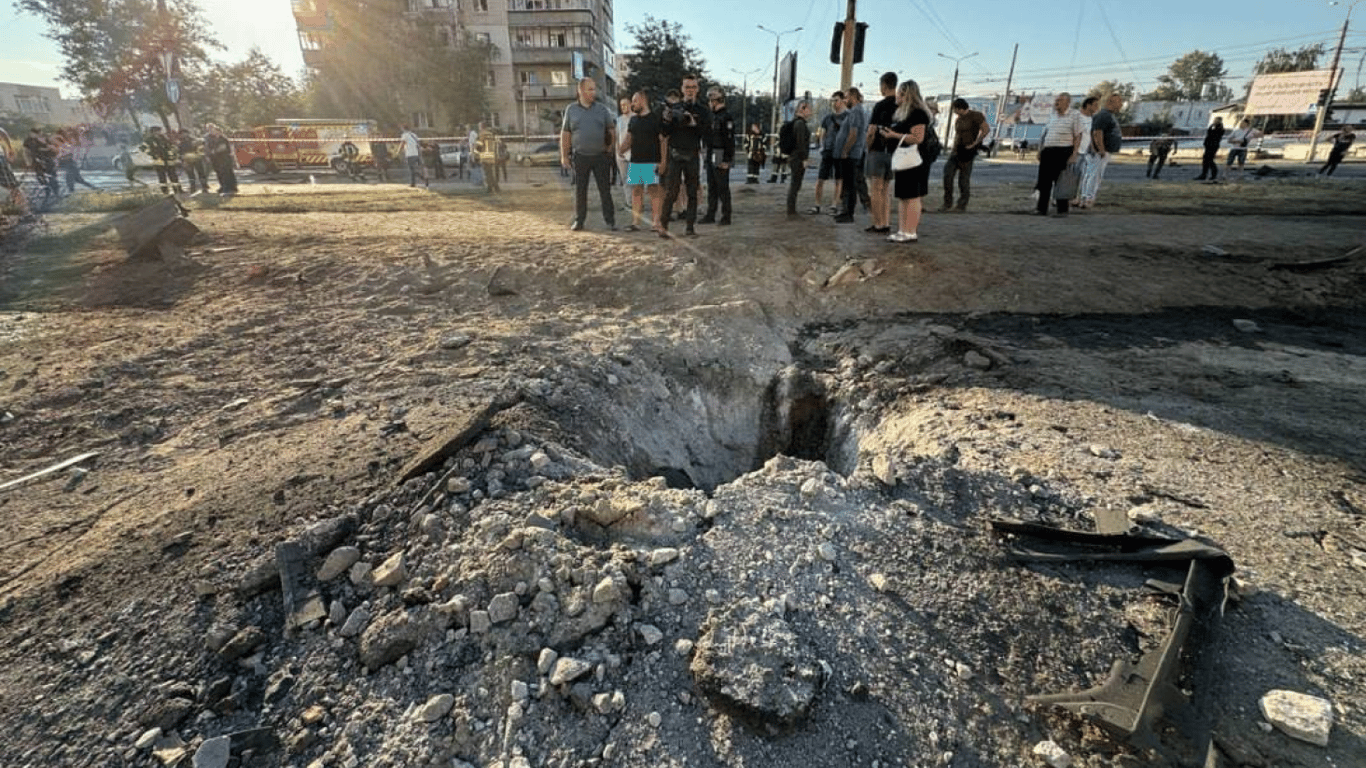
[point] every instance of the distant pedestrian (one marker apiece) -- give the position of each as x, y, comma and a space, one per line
1158, 150
755, 153
68, 146
801, 152
412, 154
1342, 141
1238, 142
191, 151
379, 155
42, 158
1209, 165
587, 138
489, 150
130, 168
219, 151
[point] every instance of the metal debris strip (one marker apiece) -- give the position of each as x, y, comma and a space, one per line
1135, 696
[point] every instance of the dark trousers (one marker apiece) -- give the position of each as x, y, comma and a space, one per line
718, 188
681, 168
798, 168
197, 175
74, 177
963, 170
600, 168
227, 179
1332, 165
854, 186
165, 172
1209, 163
1155, 163
755, 168
1052, 161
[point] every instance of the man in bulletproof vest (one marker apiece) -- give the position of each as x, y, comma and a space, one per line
687, 129
720, 155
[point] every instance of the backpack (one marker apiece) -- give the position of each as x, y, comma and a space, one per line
930, 147
787, 139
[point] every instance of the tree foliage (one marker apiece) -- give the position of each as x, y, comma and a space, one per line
1196, 76
111, 49
251, 92
1127, 91
376, 64
1282, 60
663, 55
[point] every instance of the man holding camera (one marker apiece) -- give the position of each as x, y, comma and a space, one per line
720, 155
686, 129
589, 130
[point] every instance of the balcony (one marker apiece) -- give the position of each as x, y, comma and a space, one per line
546, 92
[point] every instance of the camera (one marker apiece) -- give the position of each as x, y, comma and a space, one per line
678, 113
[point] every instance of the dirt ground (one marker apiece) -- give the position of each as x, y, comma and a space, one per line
1173, 355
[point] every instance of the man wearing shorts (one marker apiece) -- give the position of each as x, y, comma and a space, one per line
830, 128
644, 144
877, 167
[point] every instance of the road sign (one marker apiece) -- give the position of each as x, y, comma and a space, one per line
173, 90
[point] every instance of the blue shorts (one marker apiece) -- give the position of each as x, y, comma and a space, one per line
641, 173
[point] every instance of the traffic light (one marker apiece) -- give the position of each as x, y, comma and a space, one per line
837, 42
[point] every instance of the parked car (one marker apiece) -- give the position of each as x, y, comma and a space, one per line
546, 154
451, 154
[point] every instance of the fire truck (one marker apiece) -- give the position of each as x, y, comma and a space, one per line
301, 144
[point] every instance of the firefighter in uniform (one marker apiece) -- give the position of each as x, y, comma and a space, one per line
720, 156
164, 159
755, 148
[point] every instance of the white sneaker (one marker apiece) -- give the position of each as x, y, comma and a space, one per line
902, 237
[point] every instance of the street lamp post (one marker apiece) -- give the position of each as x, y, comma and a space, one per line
1332, 77
953, 94
744, 95
777, 40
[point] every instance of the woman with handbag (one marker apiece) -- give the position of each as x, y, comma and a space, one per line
911, 174
1059, 150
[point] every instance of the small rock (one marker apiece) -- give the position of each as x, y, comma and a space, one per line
1102, 452
878, 581
1246, 326
520, 691
503, 607
975, 359
242, 643
480, 622
336, 613
338, 562
650, 634
455, 341
606, 591
391, 572
568, 670
355, 623
677, 596
436, 708
963, 671
360, 574
546, 660
1053, 754
654, 719
1144, 515
213, 753
539, 461
663, 555
1299, 715
457, 485
811, 488
148, 738
827, 551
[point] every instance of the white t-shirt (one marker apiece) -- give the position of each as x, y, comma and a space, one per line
410, 144
1243, 137
623, 122
1085, 145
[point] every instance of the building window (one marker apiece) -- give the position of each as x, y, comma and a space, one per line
310, 41
526, 77
481, 5
483, 38
32, 105
491, 81
421, 120
559, 77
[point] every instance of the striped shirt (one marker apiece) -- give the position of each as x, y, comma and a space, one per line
1063, 129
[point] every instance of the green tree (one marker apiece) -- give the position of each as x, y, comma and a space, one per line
1104, 88
1195, 76
111, 49
251, 92
1281, 60
663, 55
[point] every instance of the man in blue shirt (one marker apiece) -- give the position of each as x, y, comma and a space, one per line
849, 148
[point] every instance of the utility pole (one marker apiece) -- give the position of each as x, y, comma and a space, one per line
953, 94
777, 38
1005, 100
1332, 84
847, 59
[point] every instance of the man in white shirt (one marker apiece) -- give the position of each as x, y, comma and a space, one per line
624, 158
412, 153
1238, 142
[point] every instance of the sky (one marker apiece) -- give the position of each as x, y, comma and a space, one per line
1063, 44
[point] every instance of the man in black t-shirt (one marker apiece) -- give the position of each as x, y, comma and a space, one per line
644, 139
1214, 136
877, 168
687, 128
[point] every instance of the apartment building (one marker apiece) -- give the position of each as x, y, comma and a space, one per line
44, 105
543, 47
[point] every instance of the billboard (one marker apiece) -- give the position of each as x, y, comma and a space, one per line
1288, 93
787, 78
